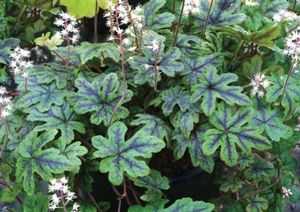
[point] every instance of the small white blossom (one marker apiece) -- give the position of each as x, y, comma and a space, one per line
286, 192
292, 47
68, 28
259, 85
61, 196
20, 62
251, 3
5, 103
285, 15
75, 207
191, 7
155, 46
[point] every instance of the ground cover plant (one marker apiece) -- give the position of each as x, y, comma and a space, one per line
133, 98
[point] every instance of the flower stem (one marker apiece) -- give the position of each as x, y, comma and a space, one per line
287, 79
123, 63
177, 25
207, 17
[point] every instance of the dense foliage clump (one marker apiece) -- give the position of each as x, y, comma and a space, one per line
214, 82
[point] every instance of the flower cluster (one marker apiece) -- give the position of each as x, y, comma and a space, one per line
259, 84
20, 62
251, 3
5, 103
285, 15
286, 192
292, 47
61, 195
69, 28
191, 7
122, 14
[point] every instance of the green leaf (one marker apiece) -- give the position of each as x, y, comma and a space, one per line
270, 120
188, 44
89, 51
80, 8
10, 194
48, 73
194, 67
36, 203
184, 204
58, 117
156, 21
119, 156
260, 170
166, 63
51, 43
42, 96
73, 152
257, 204
154, 183
187, 204
6, 47
195, 146
174, 96
222, 13
231, 185
100, 97
33, 159
289, 94
185, 120
212, 86
151, 126
231, 130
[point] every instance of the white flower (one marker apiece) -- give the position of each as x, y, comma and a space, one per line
259, 84
61, 195
69, 30
251, 3
20, 61
75, 207
285, 15
70, 196
155, 45
191, 7
286, 192
2, 90
55, 199
292, 47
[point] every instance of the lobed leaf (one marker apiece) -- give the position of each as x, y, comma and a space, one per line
100, 97
231, 130
195, 146
151, 126
58, 117
40, 95
35, 160
119, 156
212, 86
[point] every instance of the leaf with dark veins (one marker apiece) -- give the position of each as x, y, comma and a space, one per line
33, 159
58, 117
152, 125
270, 121
119, 156
41, 95
212, 86
194, 67
100, 97
195, 146
231, 130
